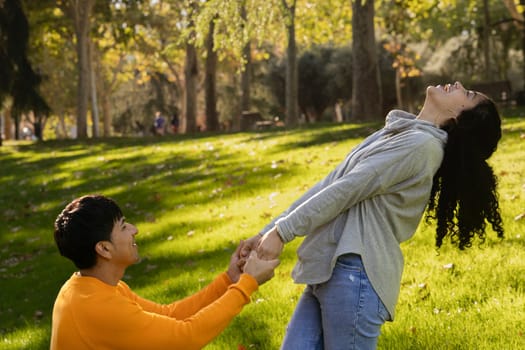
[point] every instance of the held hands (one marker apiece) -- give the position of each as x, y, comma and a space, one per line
270, 246
247, 246
236, 264
257, 256
261, 270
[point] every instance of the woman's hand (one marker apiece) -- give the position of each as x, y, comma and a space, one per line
261, 270
271, 245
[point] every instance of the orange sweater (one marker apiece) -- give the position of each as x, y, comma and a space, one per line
90, 314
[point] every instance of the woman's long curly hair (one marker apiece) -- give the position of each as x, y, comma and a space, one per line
463, 196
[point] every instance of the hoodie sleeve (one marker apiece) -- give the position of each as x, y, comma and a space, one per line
334, 175
376, 173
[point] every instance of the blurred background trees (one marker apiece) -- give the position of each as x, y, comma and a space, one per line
92, 68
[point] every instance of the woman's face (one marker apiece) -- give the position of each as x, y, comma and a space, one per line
453, 98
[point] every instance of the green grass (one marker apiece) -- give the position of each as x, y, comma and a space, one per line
193, 199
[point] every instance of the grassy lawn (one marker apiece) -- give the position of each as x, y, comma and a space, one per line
193, 199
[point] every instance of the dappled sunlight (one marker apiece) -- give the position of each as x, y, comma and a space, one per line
193, 200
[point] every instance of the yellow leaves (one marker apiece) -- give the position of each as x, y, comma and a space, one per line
260, 55
413, 72
392, 47
405, 60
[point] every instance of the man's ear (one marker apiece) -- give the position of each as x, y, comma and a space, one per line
103, 248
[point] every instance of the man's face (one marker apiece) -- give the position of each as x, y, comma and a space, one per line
124, 250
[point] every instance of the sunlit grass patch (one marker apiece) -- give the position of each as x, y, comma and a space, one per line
193, 200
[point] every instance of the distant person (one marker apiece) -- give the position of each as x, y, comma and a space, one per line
355, 218
159, 124
175, 122
95, 309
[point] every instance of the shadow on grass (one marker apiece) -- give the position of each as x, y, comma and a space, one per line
33, 181
320, 134
42, 183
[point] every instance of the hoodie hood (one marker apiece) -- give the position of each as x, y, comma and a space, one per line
397, 121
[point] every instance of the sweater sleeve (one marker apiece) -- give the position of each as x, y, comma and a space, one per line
371, 176
188, 306
122, 323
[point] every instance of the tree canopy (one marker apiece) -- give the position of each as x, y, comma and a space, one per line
208, 61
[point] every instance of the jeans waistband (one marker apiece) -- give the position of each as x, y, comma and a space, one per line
350, 259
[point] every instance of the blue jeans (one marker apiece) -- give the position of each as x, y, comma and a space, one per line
341, 314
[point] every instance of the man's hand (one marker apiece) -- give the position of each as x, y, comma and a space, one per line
261, 270
249, 245
270, 246
235, 268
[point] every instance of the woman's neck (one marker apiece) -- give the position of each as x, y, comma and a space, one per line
434, 115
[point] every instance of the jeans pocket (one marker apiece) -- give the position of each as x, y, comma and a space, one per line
350, 262
348, 268
383, 313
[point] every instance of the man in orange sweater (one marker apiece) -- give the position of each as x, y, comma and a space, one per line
96, 310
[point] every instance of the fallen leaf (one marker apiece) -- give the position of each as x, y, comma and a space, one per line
150, 217
519, 217
266, 215
150, 267
448, 266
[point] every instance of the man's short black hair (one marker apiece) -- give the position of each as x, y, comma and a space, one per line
82, 224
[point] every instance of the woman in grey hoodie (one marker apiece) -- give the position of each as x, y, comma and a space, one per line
356, 217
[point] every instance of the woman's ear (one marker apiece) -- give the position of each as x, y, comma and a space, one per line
103, 248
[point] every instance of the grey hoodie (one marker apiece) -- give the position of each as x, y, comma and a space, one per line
368, 205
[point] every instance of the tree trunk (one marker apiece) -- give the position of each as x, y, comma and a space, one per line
246, 78
80, 13
519, 17
93, 86
191, 72
338, 112
8, 127
399, 90
38, 126
245, 86
106, 115
523, 41
16, 118
61, 128
189, 121
210, 82
366, 87
486, 40
291, 95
